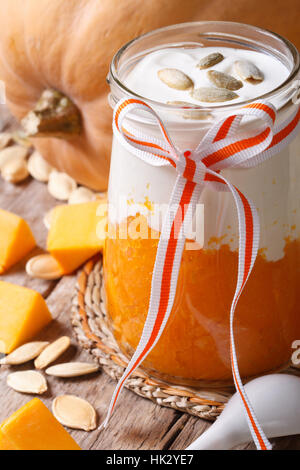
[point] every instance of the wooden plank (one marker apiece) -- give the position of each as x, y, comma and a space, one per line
193, 428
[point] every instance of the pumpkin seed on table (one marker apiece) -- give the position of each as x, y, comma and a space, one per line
210, 60
175, 78
224, 80
44, 267
72, 369
24, 353
38, 168
61, 185
247, 71
28, 381
81, 195
15, 152
213, 95
52, 352
74, 412
15, 171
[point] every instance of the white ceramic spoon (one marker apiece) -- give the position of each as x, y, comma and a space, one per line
276, 401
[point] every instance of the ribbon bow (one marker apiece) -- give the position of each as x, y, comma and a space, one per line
222, 147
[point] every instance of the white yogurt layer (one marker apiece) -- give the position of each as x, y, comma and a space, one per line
272, 186
144, 80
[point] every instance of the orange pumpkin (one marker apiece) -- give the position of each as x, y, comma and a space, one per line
67, 46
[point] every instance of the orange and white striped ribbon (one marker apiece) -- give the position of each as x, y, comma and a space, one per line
222, 147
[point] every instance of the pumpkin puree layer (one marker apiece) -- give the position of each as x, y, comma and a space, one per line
194, 346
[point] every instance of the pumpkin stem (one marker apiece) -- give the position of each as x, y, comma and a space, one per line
53, 116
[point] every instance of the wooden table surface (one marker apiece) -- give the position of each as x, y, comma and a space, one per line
137, 423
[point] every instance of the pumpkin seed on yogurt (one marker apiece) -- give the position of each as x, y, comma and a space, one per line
224, 80
213, 95
248, 71
210, 60
175, 78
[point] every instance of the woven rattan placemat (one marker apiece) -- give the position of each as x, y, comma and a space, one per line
90, 324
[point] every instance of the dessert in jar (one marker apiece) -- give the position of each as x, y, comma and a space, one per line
193, 75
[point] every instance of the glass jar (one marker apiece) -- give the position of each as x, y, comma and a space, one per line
194, 347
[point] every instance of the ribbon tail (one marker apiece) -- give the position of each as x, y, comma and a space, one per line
179, 214
248, 248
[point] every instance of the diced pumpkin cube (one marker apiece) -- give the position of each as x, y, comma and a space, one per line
16, 239
23, 313
33, 427
74, 233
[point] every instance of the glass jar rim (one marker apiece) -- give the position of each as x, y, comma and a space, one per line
113, 76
